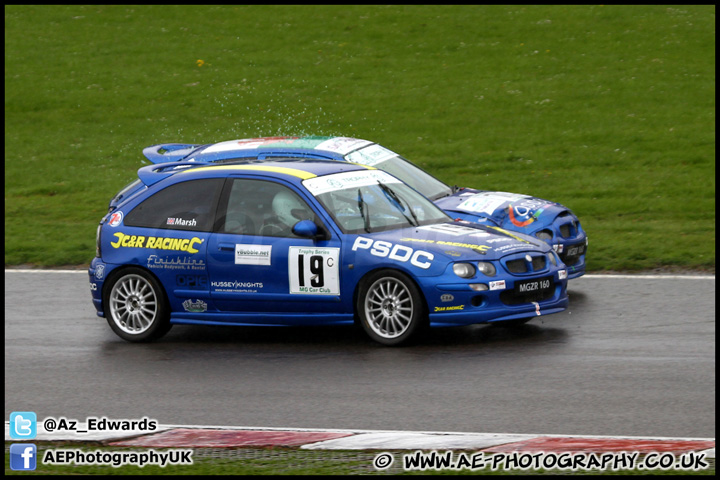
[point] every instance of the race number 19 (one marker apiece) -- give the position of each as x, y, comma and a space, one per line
314, 271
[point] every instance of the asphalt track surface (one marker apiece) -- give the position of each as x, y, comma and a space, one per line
632, 356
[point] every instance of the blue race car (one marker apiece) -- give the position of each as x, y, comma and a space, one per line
548, 221
308, 242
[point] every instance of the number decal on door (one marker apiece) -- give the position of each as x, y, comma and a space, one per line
314, 270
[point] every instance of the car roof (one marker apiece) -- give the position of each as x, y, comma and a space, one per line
290, 169
331, 147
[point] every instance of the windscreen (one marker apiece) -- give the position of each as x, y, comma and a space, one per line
384, 159
372, 201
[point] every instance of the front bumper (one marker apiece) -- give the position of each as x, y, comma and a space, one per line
458, 305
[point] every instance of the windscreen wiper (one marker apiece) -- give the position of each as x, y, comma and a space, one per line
394, 197
362, 206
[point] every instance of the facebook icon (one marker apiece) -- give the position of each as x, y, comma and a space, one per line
23, 456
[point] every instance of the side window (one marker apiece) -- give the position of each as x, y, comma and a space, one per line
183, 206
258, 207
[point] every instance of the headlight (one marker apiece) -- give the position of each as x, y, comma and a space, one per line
544, 235
464, 270
98, 252
486, 268
553, 258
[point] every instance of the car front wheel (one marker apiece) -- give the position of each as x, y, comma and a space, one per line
136, 307
390, 307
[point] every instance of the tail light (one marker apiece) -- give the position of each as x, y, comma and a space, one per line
98, 252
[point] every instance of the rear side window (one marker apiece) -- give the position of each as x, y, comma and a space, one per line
183, 206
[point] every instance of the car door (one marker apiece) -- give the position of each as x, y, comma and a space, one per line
256, 263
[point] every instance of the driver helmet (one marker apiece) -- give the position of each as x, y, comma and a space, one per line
283, 205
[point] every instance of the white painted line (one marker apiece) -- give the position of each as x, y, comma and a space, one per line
21, 270
649, 277
412, 441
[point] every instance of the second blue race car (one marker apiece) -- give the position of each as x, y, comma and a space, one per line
307, 242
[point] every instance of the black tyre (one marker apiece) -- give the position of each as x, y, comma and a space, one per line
390, 307
135, 306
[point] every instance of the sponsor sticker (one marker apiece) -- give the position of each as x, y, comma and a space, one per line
194, 307
158, 243
99, 271
397, 252
192, 281
248, 254
341, 181
482, 249
449, 229
246, 144
341, 145
450, 309
497, 285
115, 219
181, 222
489, 202
236, 286
177, 263
370, 156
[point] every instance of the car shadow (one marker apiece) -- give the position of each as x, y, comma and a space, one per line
536, 332
309, 335
495, 335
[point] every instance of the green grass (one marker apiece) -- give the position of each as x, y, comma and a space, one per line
289, 461
607, 109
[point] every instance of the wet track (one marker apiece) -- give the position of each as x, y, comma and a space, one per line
631, 356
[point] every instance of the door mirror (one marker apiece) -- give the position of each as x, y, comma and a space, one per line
305, 228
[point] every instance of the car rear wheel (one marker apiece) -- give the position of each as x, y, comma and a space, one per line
390, 307
136, 307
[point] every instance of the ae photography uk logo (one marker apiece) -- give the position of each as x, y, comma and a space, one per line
568, 461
